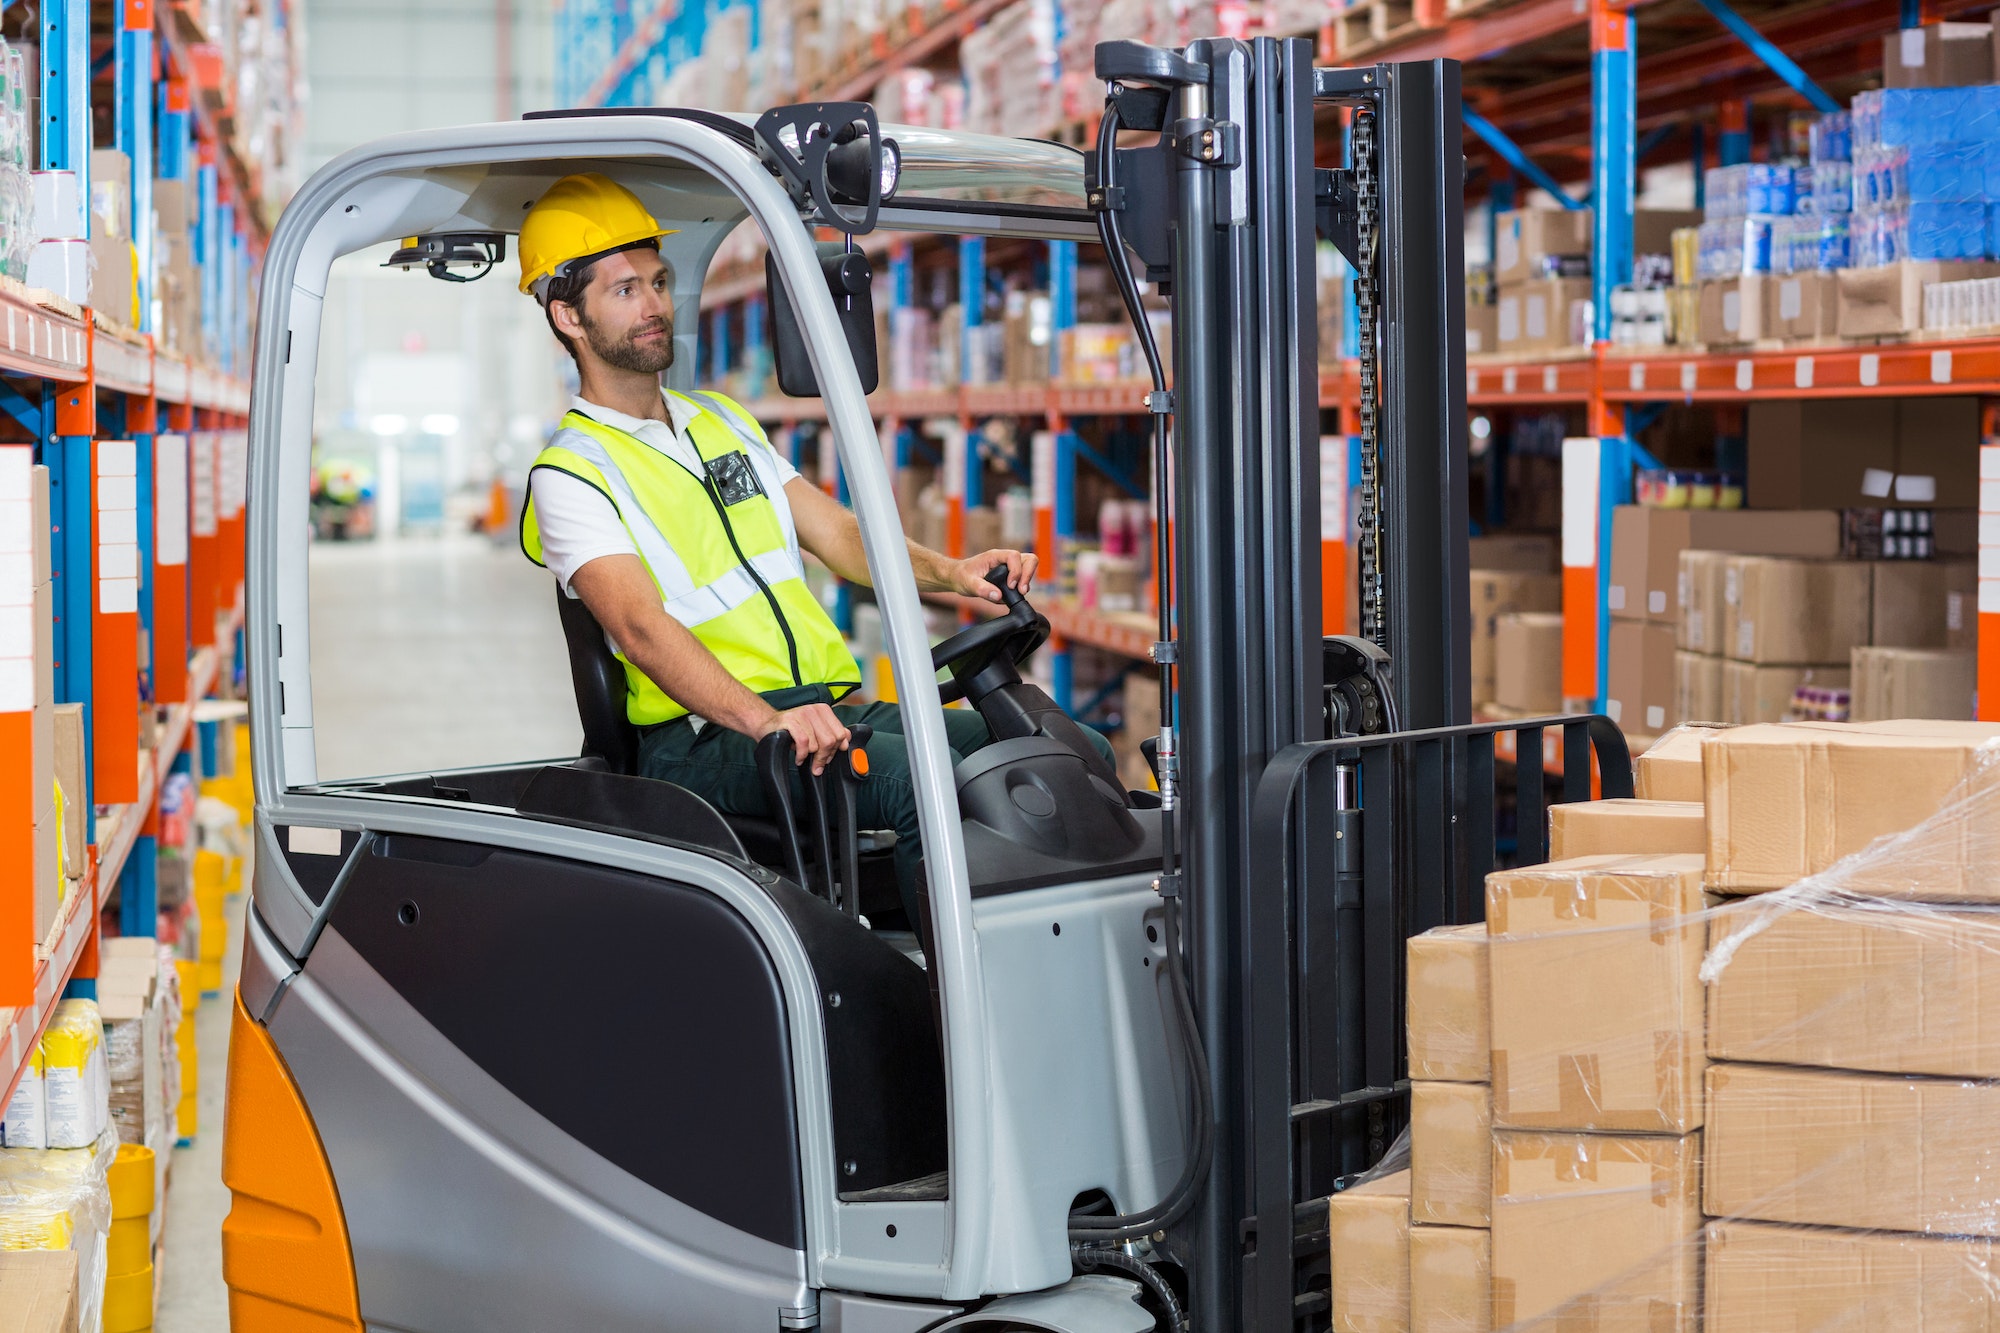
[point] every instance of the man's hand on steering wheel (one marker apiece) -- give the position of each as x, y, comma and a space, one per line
968, 576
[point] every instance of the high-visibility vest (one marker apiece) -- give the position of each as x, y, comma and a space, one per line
730, 571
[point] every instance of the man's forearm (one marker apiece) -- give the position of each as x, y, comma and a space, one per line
681, 665
933, 571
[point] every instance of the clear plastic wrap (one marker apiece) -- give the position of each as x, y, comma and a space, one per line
60, 1199
1754, 1091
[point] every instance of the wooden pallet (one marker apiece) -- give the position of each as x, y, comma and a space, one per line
1364, 27
1467, 8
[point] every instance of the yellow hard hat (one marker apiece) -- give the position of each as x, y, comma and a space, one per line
581, 216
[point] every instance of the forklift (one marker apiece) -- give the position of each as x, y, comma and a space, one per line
549, 1045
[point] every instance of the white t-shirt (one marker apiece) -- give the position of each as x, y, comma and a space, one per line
579, 523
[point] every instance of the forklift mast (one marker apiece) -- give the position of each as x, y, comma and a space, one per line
1224, 211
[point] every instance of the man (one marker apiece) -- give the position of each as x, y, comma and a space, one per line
680, 527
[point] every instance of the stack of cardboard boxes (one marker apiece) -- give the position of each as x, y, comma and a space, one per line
1655, 614
1541, 276
1516, 645
1708, 1108
177, 285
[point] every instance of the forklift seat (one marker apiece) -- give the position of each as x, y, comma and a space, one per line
599, 679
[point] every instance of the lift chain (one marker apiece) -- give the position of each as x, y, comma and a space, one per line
1368, 522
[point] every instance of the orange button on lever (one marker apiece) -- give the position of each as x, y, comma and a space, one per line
857, 760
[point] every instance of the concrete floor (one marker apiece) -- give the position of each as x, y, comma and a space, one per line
427, 654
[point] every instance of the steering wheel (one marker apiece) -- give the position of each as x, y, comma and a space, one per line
1012, 636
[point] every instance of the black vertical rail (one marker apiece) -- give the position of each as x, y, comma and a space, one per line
1531, 820
1424, 452
1476, 844
1263, 227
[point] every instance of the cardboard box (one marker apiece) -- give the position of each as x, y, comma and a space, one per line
1451, 1280
1764, 1278
111, 289
1912, 607
1831, 1148
1626, 828
1527, 662
1820, 453
1653, 228
1698, 689
1523, 554
1914, 682
1784, 612
1736, 310
1937, 451
1543, 314
1449, 1035
1499, 592
1596, 1232
1596, 1004
1752, 693
1938, 55
1640, 697
1482, 328
1785, 802
1698, 587
70, 751
1865, 988
1646, 546
1805, 307
1451, 1154
42, 532
1523, 237
1888, 301
38, 1291
1670, 769
1369, 1227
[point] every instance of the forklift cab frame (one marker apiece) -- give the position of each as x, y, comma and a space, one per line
726, 1190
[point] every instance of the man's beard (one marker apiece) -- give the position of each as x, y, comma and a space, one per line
631, 354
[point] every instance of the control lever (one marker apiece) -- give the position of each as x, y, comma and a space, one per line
830, 808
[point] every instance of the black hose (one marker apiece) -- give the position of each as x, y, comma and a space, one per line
1084, 1257
1178, 1200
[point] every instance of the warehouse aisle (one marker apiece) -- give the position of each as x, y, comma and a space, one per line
192, 1298
428, 653
435, 652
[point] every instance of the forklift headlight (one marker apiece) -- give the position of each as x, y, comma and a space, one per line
848, 165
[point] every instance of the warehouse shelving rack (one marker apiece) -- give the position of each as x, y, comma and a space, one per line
1558, 88
103, 403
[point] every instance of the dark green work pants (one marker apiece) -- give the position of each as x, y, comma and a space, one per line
720, 765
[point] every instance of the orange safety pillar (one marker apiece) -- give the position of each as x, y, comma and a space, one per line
24, 636
203, 557
114, 629
170, 568
1988, 679
1333, 451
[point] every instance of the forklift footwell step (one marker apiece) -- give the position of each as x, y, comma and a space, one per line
924, 1189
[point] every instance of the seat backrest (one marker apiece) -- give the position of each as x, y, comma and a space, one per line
599, 678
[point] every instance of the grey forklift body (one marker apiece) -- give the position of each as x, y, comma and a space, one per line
574, 1077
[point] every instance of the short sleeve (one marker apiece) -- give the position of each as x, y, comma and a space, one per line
577, 521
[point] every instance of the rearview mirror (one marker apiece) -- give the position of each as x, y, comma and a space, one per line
851, 280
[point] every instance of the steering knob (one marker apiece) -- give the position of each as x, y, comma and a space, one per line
997, 576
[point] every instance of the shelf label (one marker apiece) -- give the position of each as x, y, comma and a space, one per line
1638, 375
1802, 372
1042, 468
1871, 369
1472, 380
1580, 459
1548, 379
1507, 380
1688, 375
201, 464
1941, 367
1746, 374
117, 527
